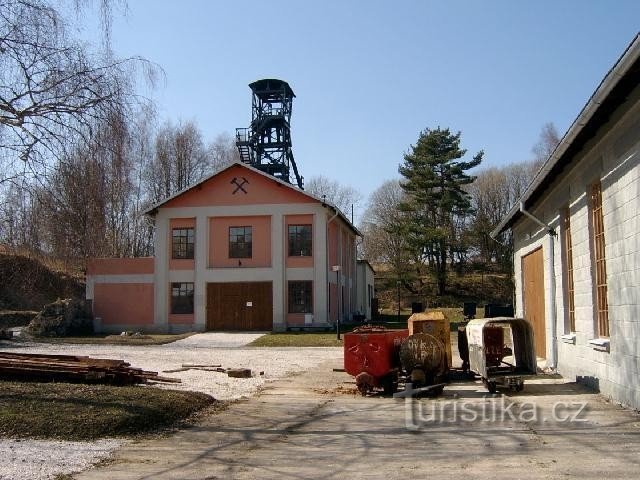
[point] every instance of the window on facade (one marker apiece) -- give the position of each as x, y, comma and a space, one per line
568, 257
182, 241
300, 242
240, 242
598, 244
300, 297
181, 298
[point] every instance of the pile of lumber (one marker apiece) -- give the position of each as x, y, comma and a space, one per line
76, 369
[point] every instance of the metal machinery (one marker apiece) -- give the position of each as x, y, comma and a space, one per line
266, 143
378, 357
371, 354
501, 351
469, 313
426, 354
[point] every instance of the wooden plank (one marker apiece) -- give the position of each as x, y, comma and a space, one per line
55, 367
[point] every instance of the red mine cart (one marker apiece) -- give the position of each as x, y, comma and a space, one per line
371, 354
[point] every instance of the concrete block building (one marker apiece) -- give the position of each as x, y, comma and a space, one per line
239, 250
576, 239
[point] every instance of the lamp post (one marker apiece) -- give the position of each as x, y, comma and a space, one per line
337, 268
398, 288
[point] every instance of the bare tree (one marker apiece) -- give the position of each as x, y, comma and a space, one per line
546, 144
493, 194
222, 152
180, 160
52, 90
74, 206
141, 151
385, 237
341, 196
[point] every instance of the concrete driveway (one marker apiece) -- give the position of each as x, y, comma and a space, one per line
311, 426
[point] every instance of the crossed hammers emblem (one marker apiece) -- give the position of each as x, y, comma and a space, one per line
239, 185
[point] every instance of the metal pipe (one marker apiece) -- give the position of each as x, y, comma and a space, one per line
553, 360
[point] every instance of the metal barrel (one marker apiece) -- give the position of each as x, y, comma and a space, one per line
425, 352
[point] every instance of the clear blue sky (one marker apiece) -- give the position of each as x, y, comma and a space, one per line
370, 75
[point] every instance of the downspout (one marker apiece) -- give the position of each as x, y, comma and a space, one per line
553, 361
327, 267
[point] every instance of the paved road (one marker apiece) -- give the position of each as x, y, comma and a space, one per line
311, 427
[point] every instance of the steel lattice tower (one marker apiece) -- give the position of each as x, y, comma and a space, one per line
266, 144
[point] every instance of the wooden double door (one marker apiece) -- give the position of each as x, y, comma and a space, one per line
240, 306
533, 298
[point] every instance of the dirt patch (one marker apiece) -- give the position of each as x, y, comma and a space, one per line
27, 284
339, 390
85, 412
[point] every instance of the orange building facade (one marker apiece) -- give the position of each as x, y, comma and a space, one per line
240, 250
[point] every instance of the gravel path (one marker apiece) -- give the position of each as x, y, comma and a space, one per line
33, 459
43, 459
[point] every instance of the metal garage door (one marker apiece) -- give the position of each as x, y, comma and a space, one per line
240, 306
533, 297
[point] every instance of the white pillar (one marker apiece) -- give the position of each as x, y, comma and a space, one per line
201, 264
320, 262
278, 267
161, 268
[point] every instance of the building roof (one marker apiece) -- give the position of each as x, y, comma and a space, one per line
364, 261
613, 90
267, 84
154, 208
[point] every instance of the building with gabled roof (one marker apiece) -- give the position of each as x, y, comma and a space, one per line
238, 250
576, 234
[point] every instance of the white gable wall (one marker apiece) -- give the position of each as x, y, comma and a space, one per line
613, 157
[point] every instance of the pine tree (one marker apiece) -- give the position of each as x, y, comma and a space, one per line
434, 177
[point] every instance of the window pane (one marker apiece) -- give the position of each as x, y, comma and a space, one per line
300, 240
598, 246
182, 298
182, 243
300, 297
240, 242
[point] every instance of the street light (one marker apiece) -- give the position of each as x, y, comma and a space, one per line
337, 268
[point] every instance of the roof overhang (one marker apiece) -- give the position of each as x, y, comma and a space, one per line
613, 90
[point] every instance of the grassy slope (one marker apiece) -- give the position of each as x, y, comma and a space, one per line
84, 412
297, 339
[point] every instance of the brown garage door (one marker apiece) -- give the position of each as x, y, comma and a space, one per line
239, 306
533, 301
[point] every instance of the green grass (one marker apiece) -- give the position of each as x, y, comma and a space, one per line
453, 314
153, 339
85, 412
297, 339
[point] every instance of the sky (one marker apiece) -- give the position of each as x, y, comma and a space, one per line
369, 76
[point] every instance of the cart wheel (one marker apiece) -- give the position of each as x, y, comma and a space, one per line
364, 382
520, 387
491, 386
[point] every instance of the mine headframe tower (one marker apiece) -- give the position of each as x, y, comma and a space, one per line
266, 143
